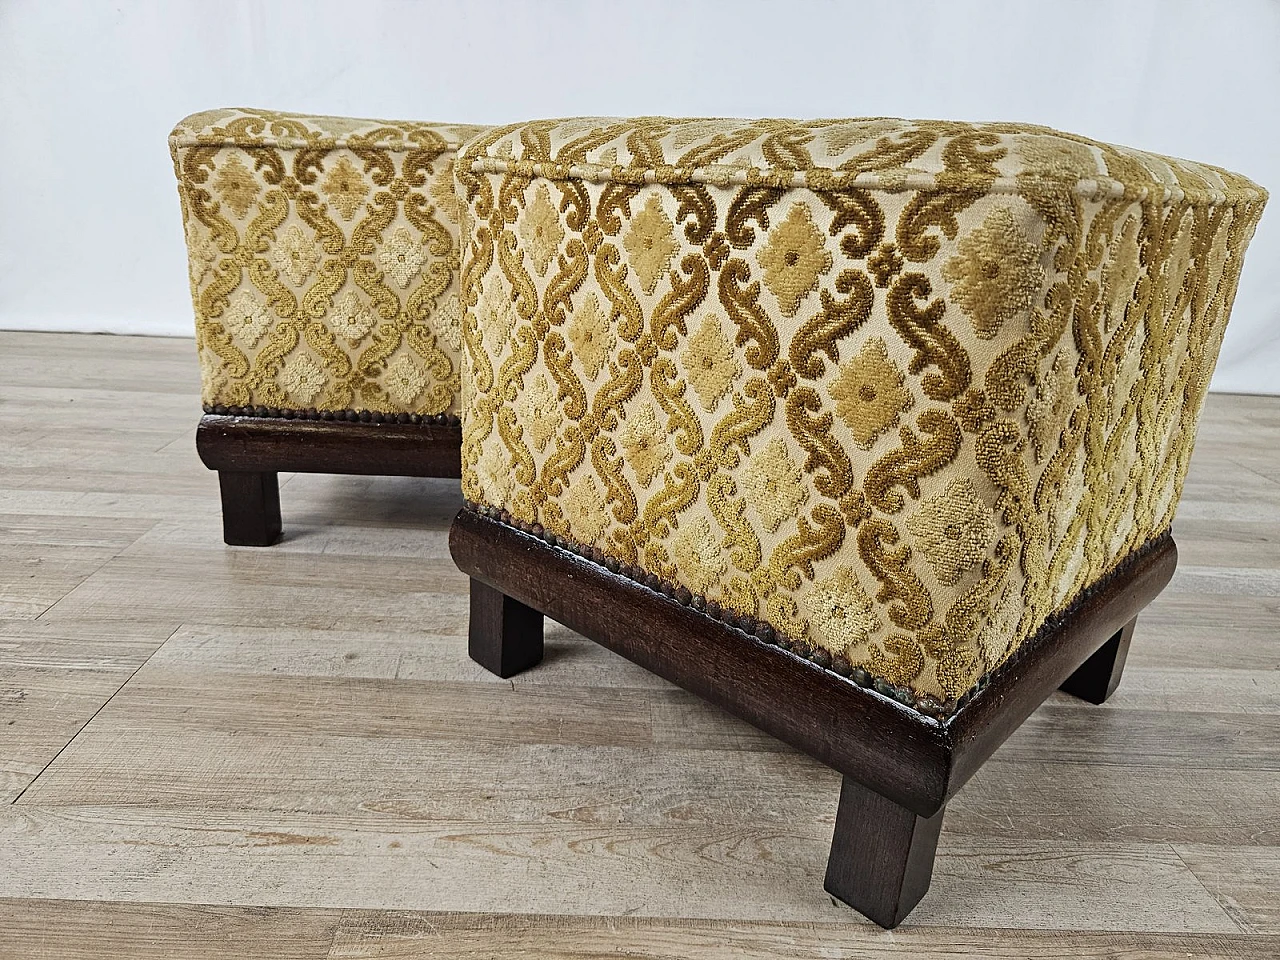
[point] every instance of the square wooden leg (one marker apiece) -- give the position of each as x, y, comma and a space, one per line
1097, 678
250, 508
881, 855
505, 636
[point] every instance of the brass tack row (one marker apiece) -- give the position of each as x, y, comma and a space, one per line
926, 704
350, 416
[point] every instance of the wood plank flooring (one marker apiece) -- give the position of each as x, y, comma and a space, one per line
233, 752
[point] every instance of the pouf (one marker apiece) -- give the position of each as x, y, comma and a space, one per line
323, 257
871, 431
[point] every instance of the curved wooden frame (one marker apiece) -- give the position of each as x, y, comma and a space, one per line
901, 768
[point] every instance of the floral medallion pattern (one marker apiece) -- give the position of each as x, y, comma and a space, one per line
650, 244
345, 188
591, 336
323, 260
710, 363
996, 274
869, 393
841, 612
246, 319
953, 530
697, 551
870, 382
644, 444
541, 231
774, 484
793, 258
350, 318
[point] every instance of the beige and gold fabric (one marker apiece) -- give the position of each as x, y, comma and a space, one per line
323, 258
900, 390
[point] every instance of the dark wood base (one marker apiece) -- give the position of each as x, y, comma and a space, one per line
900, 766
248, 452
505, 636
250, 508
1098, 677
881, 854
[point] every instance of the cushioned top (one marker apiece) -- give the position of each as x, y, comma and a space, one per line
838, 154
247, 127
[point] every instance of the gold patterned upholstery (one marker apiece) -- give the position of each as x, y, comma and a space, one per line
323, 260
900, 390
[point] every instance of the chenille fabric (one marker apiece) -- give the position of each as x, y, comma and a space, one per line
901, 390
323, 256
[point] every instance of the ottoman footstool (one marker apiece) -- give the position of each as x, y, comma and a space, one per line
870, 431
323, 256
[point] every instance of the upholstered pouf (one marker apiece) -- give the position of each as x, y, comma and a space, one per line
323, 260
870, 431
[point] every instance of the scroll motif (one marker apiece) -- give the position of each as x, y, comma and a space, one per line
613, 284
811, 426
925, 333
557, 302
741, 300
818, 536
684, 297
751, 203
836, 320
613, 205
911, 607
696, 206
858, 209
916, 458
752, 410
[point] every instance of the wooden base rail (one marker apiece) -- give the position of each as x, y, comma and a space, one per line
249, 451
900, 767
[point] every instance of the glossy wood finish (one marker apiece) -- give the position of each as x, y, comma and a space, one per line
504, 636
329, 446
1097, 678
913, 763
250, 508
881, 858
248, 452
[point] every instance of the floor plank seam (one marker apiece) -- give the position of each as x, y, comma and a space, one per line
95, 571
1229, 914
85, 726
1262, 476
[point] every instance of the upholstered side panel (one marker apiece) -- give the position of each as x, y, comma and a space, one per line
323, 260
903, 423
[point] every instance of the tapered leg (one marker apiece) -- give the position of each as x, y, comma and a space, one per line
881, 855
250, 508
1097, 678
505, 635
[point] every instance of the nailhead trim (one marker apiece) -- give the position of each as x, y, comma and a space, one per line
928, 705
924, 703
350, 416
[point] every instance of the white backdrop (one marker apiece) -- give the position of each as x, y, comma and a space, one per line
89, 224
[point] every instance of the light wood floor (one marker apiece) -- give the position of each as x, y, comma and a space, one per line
285, 753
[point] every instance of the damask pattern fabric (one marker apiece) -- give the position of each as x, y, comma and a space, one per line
323, 259
901, 390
